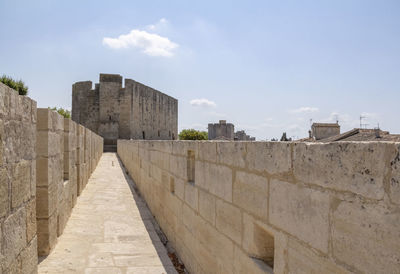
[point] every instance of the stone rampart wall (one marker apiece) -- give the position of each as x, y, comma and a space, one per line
250, 207
67, 154
18, 241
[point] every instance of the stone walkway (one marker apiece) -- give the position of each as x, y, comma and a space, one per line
109, 231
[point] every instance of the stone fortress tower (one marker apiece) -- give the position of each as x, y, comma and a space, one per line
221, 131
114, 112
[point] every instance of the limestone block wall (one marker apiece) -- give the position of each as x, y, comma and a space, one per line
66, 156
18, 241
50, 180
257, 207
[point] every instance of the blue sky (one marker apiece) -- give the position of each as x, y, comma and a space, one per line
266, 66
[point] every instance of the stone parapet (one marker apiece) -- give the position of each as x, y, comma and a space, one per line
257, 207
65, 151
18, 241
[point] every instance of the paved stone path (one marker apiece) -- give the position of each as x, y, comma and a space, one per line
109, 231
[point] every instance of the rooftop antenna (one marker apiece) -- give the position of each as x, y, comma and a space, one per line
337, 119
361, 124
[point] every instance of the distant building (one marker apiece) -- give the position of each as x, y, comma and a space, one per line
325, 133
221, 131
360, 134
324, 130
242, 136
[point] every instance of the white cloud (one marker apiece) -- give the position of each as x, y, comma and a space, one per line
152, 44
202, 103
305, 110
345, 120
159, 25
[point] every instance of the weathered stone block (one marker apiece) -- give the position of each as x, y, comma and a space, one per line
394, 184
68, 125
29, 258
34, 112
2, 141
14, 267
30, 220
44, 119
56, 169
57, 121
26, 108
366, 236
49, 170
215, 242
344, 166
165, 146
207, 151
190, 219
186, 245
47, 234
4, 197
302, 259
207, 262
155, 157
55, 143
19, 142
229, 220
14, 235
33, 178
4, 101
42, 148
181, 147
271, 157
200, 175
178, 166
250, 192
49, 143
191, 196
214, 178
46, 200
15, 110
155, 173
207, 206
42, 171
175, 205
179, 188
302, 212
232, 153
21, 183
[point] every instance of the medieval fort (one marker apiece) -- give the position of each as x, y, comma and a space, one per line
133, 112
112, 190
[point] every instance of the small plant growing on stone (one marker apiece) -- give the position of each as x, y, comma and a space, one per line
17, 85
64, 112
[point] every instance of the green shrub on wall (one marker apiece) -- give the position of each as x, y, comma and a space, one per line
17, 85
64, 112
192, 134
